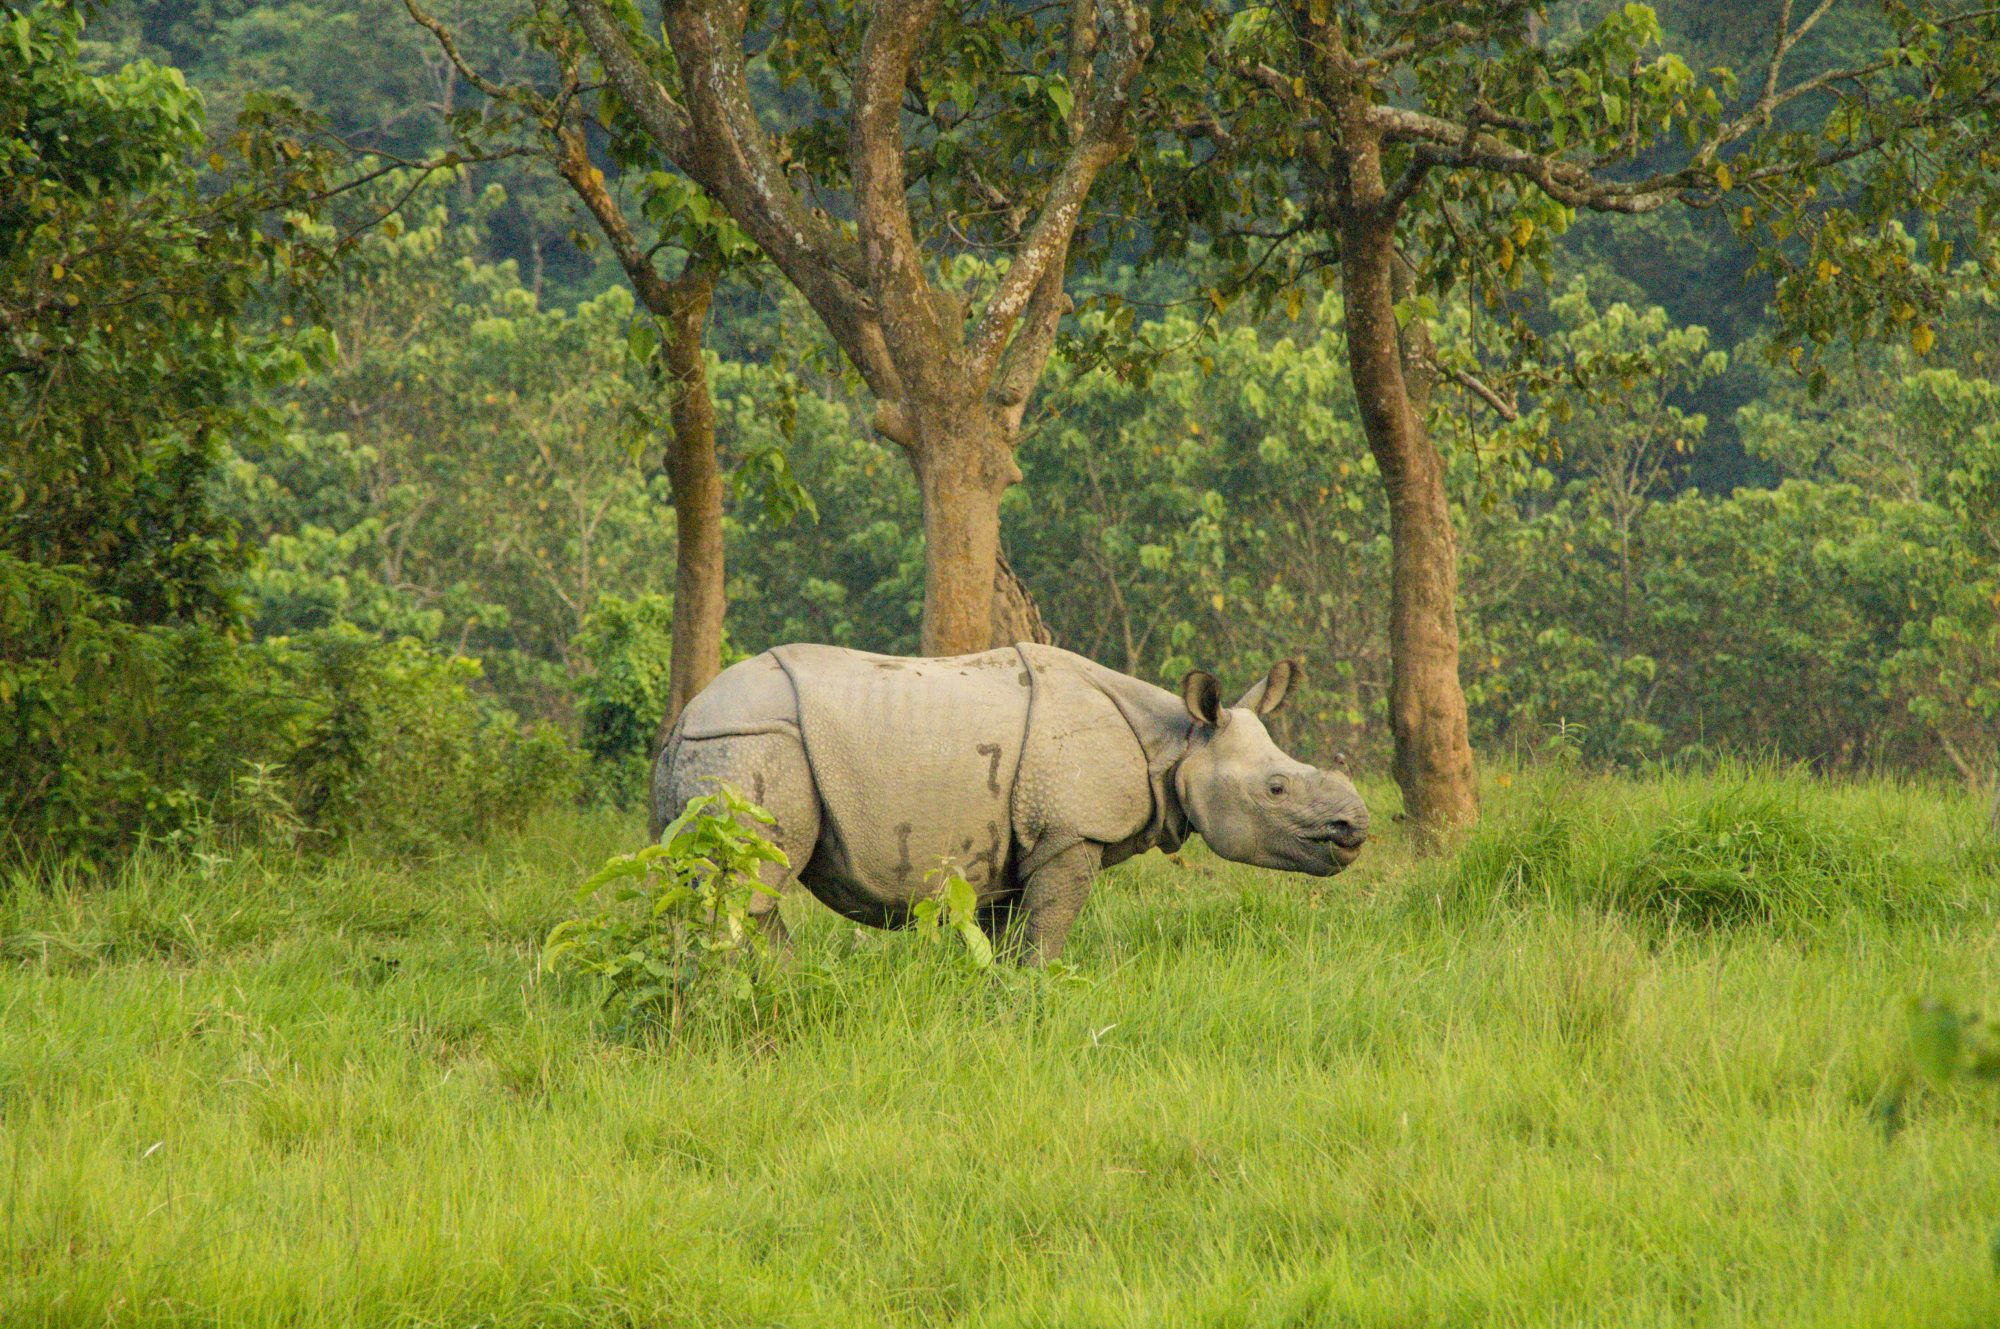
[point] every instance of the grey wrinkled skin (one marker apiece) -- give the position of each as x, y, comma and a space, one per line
1026, 769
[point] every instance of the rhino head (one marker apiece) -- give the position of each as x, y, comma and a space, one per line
1251, 802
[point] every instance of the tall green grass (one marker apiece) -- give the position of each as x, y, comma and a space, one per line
1612, 1063
1732, 848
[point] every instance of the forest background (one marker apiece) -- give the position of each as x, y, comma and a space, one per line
380, 543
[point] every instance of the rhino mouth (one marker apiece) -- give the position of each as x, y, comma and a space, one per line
1333, 851
1342, 836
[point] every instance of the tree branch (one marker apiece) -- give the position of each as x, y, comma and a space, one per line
664, 120
717, 140
882, 212
662, 298
1442, 141
1021, 367
1103, 136
1565, 181
1464, 34
1411, 180
449, 44
1502, 406
1270, 80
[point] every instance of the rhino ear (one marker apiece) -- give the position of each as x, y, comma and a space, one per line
1269, 693
1203, 697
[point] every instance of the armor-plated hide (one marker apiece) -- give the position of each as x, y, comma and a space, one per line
1003, 766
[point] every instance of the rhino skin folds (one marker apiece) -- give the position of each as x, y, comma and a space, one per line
1024, 768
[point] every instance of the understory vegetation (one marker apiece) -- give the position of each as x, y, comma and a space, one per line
336, 505
1620, 1061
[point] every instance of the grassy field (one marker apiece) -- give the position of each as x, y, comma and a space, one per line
1611, 1064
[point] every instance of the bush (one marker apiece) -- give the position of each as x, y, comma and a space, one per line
398, 752
109, 731
628, 647
674, 937
113, 733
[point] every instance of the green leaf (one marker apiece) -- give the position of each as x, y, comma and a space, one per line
960, 897
978, 945
1059, 93
642, 340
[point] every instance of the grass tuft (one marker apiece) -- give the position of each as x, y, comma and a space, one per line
1760, 852
1775, 849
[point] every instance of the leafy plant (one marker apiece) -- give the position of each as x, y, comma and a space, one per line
628, 646
953, 909
669, 932
400, 750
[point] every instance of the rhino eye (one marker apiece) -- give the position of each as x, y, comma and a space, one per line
1277, 786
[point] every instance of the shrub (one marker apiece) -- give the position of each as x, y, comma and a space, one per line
398, 751
628, 645
111, 733
672, 934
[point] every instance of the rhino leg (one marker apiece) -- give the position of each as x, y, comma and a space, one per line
770, 770
1053, 897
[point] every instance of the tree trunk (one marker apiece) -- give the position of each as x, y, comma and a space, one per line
697, 481
680, 309
964, 462
1433, 762
961, 553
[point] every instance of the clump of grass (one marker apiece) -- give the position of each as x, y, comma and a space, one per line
1760, 847
1525, 853
1757, 853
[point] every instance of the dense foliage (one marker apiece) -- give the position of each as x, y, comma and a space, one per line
1216, 516
274, 564
142, 355
125, 281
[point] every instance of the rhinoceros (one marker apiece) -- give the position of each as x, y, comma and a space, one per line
1026, 769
